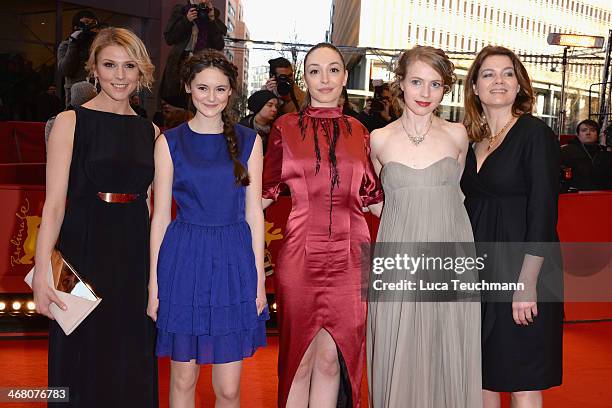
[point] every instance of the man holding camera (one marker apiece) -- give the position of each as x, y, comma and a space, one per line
380, 110
191, 28
73, 52
282, 83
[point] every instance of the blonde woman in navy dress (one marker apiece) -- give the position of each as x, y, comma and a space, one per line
206, 291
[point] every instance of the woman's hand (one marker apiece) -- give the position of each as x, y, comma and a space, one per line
524, 306
44, 295
261, 300
152, 304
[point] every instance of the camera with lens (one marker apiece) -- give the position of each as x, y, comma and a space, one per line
87, 27
284, 84
203, 10
379, 101
378, 104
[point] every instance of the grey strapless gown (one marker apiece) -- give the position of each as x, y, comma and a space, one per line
424, 354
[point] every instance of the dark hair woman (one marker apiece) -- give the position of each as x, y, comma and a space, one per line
322, 156
511, 184
206, 290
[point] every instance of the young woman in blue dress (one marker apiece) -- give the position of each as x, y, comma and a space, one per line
206, 290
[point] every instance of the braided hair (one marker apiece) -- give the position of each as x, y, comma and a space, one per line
215, 59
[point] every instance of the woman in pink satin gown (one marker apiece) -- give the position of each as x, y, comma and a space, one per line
322, 156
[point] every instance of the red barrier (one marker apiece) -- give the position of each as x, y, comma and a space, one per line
583, 217
21, 209
22, 142
586, 217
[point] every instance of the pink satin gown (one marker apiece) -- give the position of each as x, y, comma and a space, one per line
318, 280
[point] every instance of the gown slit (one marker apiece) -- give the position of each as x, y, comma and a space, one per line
318, 278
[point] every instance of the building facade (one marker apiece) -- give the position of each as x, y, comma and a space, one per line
466, 26
258, 76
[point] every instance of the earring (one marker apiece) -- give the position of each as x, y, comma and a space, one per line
96, 82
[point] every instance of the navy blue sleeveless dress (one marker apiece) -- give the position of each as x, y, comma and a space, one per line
206, 270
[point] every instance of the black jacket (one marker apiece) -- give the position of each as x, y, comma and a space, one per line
178, 34
591, 165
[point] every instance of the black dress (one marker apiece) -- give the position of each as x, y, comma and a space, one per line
109, 360
514, 199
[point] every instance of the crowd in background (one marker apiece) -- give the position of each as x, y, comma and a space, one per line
29, 94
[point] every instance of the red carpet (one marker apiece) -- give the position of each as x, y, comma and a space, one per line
587, 377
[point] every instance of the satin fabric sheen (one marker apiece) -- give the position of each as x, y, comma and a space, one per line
318, 279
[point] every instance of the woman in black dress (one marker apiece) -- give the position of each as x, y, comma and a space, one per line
511, 183
100, 158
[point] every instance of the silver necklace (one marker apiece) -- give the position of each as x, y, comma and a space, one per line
416, 139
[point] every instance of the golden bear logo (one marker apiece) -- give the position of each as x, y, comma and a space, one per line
272, 235
24, 241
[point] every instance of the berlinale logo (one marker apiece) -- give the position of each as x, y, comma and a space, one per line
24, 240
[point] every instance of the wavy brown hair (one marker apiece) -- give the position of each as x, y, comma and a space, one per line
434, 57
476, 128
215, 59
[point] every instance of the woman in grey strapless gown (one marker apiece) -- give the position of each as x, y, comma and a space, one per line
423, 352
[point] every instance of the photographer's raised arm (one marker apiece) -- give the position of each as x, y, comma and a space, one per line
68, 57
179, 25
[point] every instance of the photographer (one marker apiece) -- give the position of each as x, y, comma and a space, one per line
74, 51
191, 28
381, 111
282, 83
591, 163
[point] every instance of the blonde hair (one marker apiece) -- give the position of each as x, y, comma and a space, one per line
476, 128
132, 45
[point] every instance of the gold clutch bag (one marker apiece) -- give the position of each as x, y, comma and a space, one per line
78, 296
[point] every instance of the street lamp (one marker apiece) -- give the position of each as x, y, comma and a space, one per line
567, 41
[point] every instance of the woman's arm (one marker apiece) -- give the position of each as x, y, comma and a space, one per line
157, 133
371, 190
272, 178
59, 157
541, 163
162, 214
255, 218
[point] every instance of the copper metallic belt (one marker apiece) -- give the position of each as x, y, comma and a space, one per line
119, 197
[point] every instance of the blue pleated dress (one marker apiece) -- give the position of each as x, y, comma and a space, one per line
206, 270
